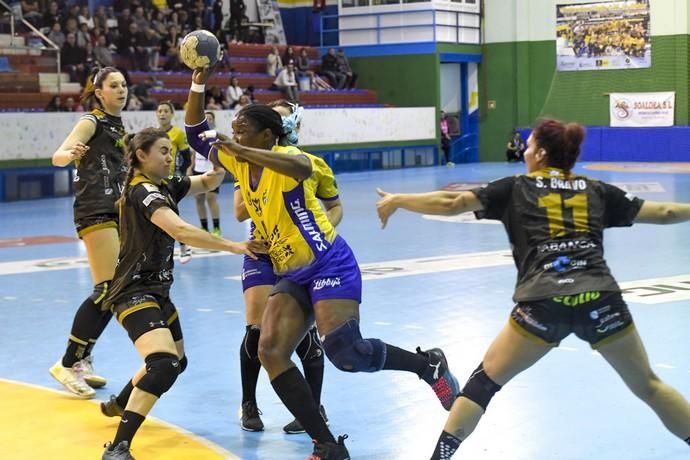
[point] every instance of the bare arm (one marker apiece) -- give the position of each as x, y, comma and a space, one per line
166, 219
295, 166
209, 180
334, 211
655, 212
439, 203
240, 208
74, 146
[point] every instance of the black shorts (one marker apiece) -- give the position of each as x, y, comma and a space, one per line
595, 317
90, 224
142, 314
215, 190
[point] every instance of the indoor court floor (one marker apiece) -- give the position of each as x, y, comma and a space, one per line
429, 282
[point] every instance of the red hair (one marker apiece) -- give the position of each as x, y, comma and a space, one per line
561, 142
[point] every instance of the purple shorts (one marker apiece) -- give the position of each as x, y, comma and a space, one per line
335, 275
257, 272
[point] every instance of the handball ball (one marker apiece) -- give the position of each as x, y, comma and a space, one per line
200, 49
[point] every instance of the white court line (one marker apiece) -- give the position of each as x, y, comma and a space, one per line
204, 310
664, 366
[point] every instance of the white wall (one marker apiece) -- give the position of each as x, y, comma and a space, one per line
535, 20
22, 140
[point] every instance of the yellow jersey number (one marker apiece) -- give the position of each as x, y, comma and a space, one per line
555, 210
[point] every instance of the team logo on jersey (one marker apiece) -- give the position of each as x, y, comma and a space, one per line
150, 187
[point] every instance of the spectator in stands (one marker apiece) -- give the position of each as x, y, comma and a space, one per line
72, 59
140, 19
124, 21
100, 18
171, 47
233, 93
56, 36
129, 47
150, 44
216, 93
212, 104
54, 105
31, 12
217, 14
103, 54
515, 148
238, 9
243, 102
52, 16
286, 83
344, 67
72, 106
331, 70
249, 92
70, 14
85, 17
302, 65
134, 103
70, 26
143, 92
289, 55
83, 36
273, 62
111, 19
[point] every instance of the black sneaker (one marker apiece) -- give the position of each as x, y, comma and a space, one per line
111, 408
118, 452
295, 427
330, 450
439, 377
250, 417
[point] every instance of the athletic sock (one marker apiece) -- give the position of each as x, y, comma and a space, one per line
403, 360
250, 366
216, 224
88, 324
293, 390
129, 424
204, 224
446, 446
123, 397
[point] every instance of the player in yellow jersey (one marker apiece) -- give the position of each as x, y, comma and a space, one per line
318, 275
181, 155
258, 280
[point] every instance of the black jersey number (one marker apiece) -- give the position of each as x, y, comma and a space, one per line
555, 211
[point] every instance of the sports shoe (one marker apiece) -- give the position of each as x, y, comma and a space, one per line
111, 408
118, 452
331, 450
250, 417
73, 379
439, 377
92, 379
295, 427
185, 253
216, 232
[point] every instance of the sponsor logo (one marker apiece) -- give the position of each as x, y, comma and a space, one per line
570, 245
251, 272
564, 263
326, 282
152, 196
304, 222
524, 314
621, 109
566, 281
579, 299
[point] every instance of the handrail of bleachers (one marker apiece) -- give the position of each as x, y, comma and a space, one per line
378, 27
52, 44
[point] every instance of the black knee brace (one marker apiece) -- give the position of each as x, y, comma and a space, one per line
162, 370
310, 348
183, 363
349, 352
480, 388
250, 343
100, 291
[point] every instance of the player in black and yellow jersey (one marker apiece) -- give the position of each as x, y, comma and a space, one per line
258, 280
140, 293
95, 146
318, 275
555, 222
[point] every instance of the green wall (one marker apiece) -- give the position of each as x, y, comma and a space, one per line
403, 81
521, 78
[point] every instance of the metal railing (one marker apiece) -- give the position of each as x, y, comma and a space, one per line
402, 13
468, 144
55, 47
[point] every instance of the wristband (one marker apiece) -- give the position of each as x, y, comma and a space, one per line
197, 88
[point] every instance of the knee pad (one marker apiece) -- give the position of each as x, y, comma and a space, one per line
162, 370
99, 292
250, 343
349, 352
480, 388
183, 363
310, 348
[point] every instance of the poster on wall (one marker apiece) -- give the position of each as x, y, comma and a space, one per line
271, 22
640, 110
603, 36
